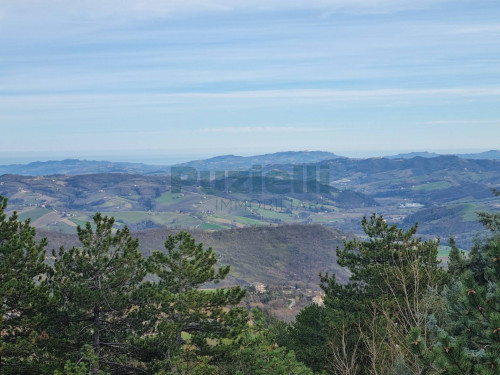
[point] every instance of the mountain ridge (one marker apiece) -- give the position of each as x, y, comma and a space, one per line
221, 162
487, 155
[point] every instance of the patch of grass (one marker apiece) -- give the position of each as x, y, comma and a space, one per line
62, 228
273, 215
35, 214
116, 202
444, 251
174, 219
79, 222
326, 220
298, 205
82, 222
469, 212
160, 218
128, 217
211, 226
169, 198
432, 186
167, 218
247, 221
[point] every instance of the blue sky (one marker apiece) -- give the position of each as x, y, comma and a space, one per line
164, 80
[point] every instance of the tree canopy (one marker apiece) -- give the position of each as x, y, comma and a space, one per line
23, 295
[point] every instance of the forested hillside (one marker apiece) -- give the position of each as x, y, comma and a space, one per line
284, 255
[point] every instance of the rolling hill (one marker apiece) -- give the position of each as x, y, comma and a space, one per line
403, 190
274, 255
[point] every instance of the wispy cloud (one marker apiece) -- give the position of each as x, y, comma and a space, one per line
161, 99
344, 94
474, 29
263, 129
168, 7
458, 122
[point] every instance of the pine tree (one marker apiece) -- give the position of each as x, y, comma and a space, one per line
457, 261
469, 334
23, 295
471, 344
387, 294
259, 354
188, 314
491, 221
309, 335
95, 289
87, 361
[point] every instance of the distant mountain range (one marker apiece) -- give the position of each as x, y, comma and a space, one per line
489, 155
79, 167
224, 162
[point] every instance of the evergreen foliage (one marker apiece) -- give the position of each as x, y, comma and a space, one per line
23, 295
468, 337
259, 354
210, 318
363, 327
309, 335
93, 289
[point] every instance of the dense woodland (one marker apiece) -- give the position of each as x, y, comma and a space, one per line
102, 307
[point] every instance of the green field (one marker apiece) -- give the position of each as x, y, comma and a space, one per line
35, 214
247, 221
211, 226
317, 219
129, 217
82, 222
433, 186
115, 202
266, 212
159, 218
79, 222
469, 212
444, 251
62, 228
169, 198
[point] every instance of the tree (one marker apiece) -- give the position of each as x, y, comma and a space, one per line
206, 319
87, 361
469, 334
95, 289
259, 354
23, 295
392, 273
309, 335
491, 221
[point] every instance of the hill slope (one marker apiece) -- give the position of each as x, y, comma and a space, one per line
279, 255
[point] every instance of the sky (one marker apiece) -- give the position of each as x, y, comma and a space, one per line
171, 80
